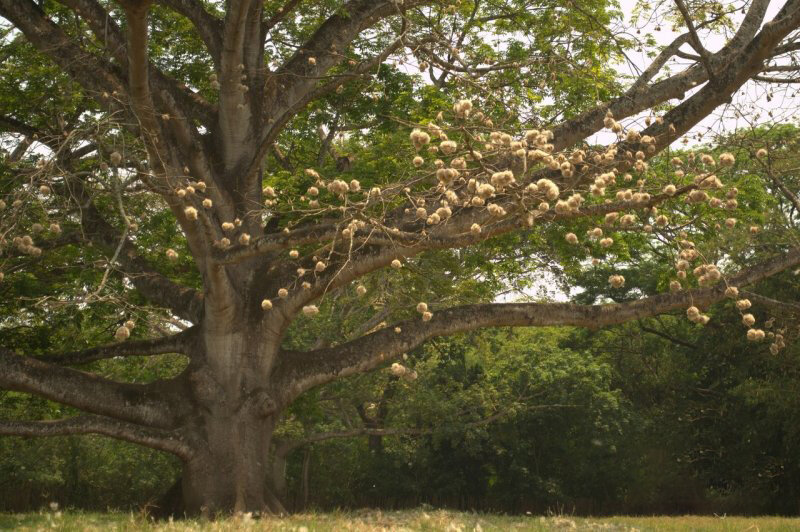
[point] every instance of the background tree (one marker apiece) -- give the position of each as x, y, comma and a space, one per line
148, 132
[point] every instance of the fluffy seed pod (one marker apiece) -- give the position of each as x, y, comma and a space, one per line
426, 316
398, 370
748, 320
115, 158
571, 238
502, 179
727, 159
172, 254
310, 310
283, 293
448, 147
743, 304
396, 264
338, 187
485, 190
244, 239
122, 333
361, 290
419, 138
761, 153
732, 292
422, 307
266, 304
294, 254
616, 281
606, 242
207, 203
191, 213
548, 188
224, 242
496, 210
755, 335
319, 267
462, 108
562, 207
418, 161
674, 286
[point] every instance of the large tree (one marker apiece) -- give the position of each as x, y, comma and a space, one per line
151, 113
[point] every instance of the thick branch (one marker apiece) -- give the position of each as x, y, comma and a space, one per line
12, 125
177, 343
208, 27
300, 371
783, 307
642, 96
163, 440
157, 404
87, 69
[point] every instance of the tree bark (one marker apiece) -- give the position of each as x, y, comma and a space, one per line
236, 414
234, 472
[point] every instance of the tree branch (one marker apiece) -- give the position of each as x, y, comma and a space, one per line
12, 125
163, 440
158, 404
176, 343
300, 371
642, 96
90, 71
208, 27
696, 44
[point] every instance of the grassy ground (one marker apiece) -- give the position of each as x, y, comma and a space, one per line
428, 520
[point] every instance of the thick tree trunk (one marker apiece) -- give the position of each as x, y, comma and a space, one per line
236, 416
234, 473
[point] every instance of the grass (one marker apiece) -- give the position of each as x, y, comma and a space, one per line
374, 520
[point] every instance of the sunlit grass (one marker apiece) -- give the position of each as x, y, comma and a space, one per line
369, 520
